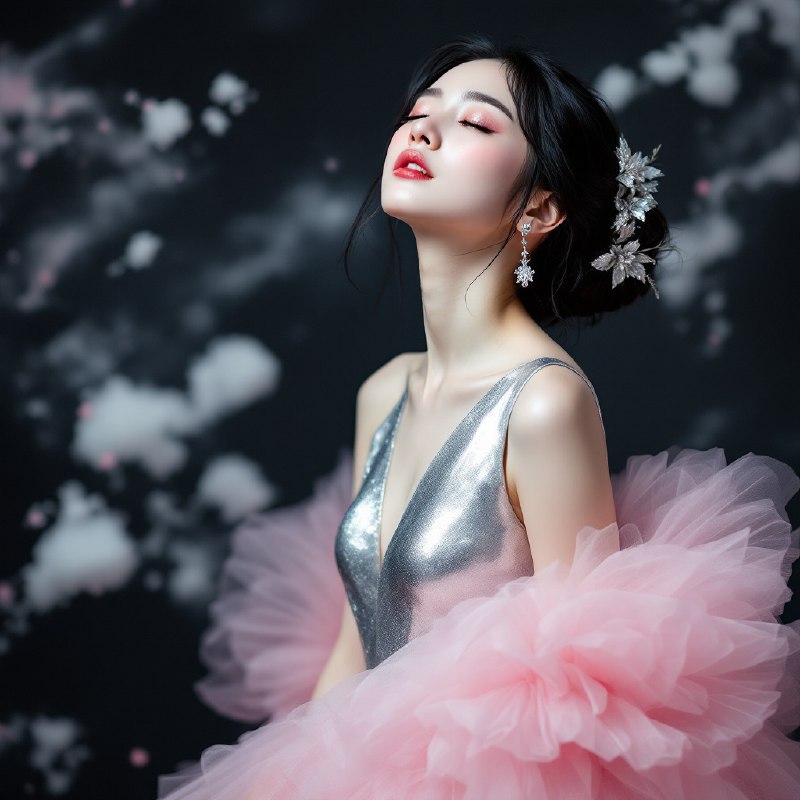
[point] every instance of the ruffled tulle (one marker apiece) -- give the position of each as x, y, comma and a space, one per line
278, 606
657, 670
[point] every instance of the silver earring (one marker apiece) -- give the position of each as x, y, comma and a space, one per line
524, 272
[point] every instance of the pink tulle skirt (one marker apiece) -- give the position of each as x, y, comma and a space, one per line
656, 670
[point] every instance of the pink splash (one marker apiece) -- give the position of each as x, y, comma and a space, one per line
702, 187
6, 593
18, 93
27, 158
107, 461
34, 518
45, 278
139, 757
85, 410
57, 109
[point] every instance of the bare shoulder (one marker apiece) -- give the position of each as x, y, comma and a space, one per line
557, 462
553, 398
555, 438
382, 388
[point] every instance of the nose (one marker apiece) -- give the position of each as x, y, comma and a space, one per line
423, 130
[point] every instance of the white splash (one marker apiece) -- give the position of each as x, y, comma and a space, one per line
126, 422
779, 166
235, 486
229, 90
702, 241
215, 121
57, 752
142, 424
164, 122
235, 371
87, 549
618, 84
191, 581
140, 252
703, 55
272, 242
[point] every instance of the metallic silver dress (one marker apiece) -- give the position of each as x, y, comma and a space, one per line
458, 537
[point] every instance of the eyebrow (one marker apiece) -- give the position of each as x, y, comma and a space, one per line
479, 96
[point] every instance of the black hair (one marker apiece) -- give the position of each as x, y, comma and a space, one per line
572, 135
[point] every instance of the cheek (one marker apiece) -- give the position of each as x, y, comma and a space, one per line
396, 144
392, 148
492, 165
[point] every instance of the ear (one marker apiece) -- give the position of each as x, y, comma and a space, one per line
542, 212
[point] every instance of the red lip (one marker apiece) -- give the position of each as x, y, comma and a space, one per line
411, 157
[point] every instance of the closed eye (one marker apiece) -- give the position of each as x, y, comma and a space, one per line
482, 128
475, 125
403, 120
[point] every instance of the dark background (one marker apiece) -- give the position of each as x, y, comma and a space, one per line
172, 299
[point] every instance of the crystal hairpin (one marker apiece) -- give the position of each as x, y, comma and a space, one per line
634, 199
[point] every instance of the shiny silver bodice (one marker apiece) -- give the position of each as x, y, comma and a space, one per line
458, 537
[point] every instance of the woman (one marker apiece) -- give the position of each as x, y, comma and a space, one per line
517, 623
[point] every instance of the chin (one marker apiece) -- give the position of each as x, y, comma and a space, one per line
405, 213
396, 203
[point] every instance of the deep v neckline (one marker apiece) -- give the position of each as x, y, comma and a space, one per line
436, 458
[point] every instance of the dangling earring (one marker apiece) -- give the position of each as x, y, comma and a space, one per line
524, 272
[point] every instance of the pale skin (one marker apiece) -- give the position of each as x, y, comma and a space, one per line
555, 455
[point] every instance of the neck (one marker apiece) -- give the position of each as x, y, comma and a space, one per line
471, 314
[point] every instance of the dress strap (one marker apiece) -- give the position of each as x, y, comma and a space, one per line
546, 361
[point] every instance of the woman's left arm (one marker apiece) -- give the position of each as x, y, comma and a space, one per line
557, 464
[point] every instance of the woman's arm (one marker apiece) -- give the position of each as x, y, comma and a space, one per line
374, 400
558, 464
346, 658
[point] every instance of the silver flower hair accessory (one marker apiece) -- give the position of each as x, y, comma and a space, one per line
634, 199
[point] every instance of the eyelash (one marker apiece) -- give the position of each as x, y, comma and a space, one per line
482, 128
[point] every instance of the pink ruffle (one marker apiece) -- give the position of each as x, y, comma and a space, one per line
658, 670
279, 606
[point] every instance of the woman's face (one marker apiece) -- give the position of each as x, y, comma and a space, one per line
465, 134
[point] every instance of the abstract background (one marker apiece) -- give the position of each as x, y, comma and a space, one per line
180, 345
